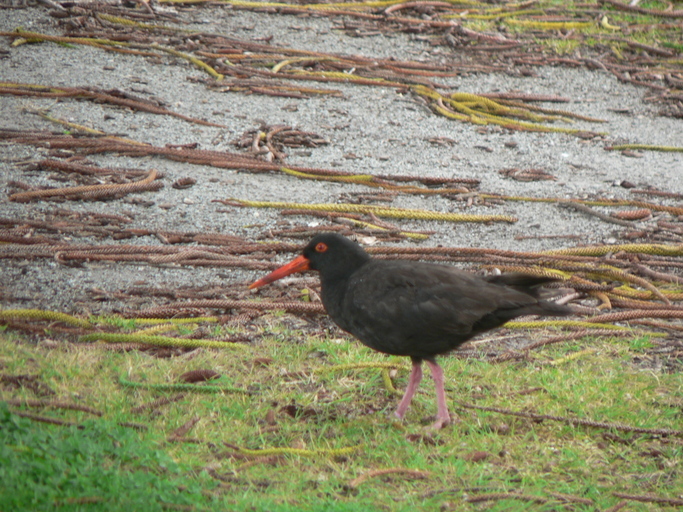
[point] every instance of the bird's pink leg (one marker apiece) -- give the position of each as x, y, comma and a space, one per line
442, 416
413, 383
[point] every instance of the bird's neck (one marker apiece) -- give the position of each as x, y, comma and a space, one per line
334, 280
336, 273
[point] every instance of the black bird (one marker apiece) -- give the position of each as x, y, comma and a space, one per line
413, 309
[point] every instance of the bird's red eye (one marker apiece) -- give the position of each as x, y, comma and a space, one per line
321, 247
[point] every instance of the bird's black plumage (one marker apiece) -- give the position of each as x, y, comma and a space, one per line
413, 309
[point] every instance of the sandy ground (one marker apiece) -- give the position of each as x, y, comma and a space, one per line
386, 132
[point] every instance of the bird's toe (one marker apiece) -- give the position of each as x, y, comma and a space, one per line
441, 422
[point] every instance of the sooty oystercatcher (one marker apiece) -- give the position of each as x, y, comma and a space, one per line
413, 309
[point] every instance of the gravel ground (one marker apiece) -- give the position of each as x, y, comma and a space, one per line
371, 130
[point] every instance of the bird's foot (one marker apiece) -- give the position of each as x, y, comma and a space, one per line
440, 423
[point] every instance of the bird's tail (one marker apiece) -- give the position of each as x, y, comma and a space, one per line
533, 285
525, 283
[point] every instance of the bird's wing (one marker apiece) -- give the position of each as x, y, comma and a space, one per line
422, 301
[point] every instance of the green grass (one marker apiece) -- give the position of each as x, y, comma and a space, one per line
48, 467
101, 467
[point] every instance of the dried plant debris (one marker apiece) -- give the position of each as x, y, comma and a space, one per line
87, 145
269, 141
199, 375
31, 382
88, 192
184, 183
250, 67
527, 174
111, 97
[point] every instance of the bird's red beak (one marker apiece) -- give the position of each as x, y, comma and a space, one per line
296, 265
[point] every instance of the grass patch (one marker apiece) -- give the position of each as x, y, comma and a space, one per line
102, 466
289, 405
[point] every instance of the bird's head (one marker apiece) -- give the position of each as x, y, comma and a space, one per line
329, 253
